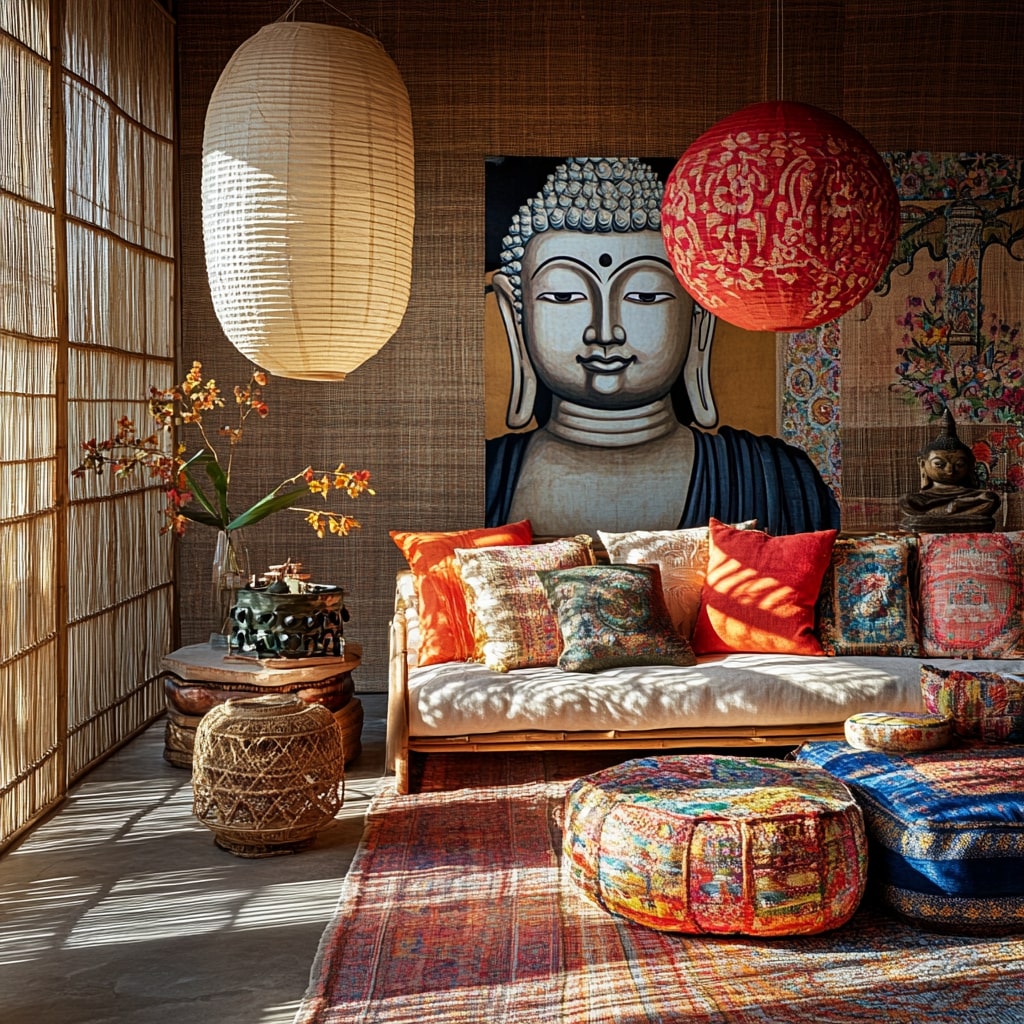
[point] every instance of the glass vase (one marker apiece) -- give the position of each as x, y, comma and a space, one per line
230, 575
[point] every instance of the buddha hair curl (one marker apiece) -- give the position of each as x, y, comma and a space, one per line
589, 194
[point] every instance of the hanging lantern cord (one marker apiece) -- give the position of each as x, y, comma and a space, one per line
780, 51
289, 15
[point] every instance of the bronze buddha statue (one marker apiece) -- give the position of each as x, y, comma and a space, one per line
950, 499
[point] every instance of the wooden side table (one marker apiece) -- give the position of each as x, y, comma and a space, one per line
200, 677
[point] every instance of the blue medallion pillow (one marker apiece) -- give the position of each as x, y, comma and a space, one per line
866, 601
613, 615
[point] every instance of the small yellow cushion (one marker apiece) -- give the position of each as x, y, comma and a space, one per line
898, 732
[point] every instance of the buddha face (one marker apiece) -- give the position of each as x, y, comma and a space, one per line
947, 467
605, 321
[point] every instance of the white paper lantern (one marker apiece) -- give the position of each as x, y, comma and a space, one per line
308, 199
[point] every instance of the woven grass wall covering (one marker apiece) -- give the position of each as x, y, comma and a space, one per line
536, 79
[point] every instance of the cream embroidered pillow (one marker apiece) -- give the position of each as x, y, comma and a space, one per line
514, 624
682, 556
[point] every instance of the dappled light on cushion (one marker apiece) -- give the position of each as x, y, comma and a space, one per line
446, 629
760, 591
682, 556
745, 690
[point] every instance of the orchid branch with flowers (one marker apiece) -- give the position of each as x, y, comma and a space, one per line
191, 498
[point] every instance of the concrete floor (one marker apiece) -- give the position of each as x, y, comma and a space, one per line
120, 907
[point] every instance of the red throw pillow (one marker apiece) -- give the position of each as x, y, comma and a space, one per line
446, 632
760, 591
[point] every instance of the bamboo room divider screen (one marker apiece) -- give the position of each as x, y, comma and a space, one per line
87, 322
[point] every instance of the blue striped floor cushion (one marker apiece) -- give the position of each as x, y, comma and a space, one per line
945, 830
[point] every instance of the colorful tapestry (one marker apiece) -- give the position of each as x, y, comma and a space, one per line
943, 328
809, 403
455, 911
946, 830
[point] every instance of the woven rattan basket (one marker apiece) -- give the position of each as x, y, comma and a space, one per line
267, 773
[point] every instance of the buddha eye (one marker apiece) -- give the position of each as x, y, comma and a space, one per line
648, 298
561, 298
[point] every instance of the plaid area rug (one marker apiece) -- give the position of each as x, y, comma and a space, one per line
455, 912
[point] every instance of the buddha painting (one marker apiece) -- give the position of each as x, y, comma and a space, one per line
610, 359
950, 499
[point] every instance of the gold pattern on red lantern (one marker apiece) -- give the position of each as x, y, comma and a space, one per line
780, 217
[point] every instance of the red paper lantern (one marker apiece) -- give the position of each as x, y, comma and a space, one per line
780, 217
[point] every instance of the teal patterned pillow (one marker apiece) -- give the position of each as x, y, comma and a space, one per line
613, 615
865, 605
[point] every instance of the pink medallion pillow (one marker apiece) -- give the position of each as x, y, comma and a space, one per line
760, 591
682, 557
446, 633
970, 595
514, 623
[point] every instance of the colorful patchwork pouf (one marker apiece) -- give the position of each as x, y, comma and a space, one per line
988, 706
945, 828
902, 732
714, 844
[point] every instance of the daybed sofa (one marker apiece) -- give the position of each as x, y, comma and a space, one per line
726, 699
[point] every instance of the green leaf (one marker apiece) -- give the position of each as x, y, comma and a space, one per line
199, 515
275, 501
220, 483
218, 513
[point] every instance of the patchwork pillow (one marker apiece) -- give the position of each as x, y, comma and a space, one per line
446, 632
970, 595
760, 591
682, 557
986, 706
613, 615
866, 600
514, 625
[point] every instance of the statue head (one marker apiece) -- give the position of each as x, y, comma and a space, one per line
592, 309
946, 459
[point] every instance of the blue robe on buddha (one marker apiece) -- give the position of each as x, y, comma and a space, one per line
736, 476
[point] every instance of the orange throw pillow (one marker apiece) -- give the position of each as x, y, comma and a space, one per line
446, 632
760, 591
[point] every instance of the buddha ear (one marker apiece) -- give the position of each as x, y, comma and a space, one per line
697, 368
926, 480
524, 379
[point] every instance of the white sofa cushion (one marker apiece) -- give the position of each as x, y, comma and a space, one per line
723, 691
720, 692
